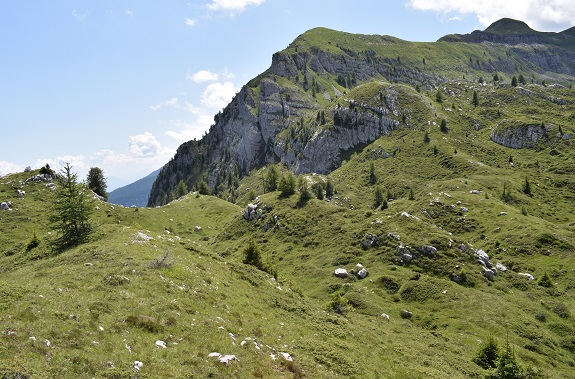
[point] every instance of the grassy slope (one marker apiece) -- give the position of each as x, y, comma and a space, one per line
207, 293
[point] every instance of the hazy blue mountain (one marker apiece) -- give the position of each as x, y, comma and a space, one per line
135, 193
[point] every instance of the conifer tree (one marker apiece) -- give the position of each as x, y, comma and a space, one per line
488, 355
475, 100
287, 184
372, 177
329, 189
426, 138
97, 182
271, 180
204, 189
507, 368
527, 187
439, 96
181, 189
378, 197
443, 126
71, 210
514, 81
252, 255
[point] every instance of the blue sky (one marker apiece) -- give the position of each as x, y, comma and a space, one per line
120, 84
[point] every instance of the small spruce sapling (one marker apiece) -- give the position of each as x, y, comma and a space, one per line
488, 354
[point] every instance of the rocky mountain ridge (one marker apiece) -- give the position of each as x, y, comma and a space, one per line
310, 108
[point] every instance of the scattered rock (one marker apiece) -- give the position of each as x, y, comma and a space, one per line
405, 313
483, 258
369, 241
5, 205
427, 250
161, 344
198, 228
500, 267
489, 274
286, 356
362, 273
39, 178
341, 273
527, 275
226, 359
404, 254
138, 365
250, 212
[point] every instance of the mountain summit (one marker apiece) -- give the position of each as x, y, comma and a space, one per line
514, 32
330, 92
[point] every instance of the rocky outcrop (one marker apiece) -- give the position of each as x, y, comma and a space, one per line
517, 135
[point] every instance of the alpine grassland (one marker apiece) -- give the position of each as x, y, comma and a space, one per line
461, 217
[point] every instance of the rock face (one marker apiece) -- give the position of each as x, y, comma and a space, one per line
517, 135
301, 112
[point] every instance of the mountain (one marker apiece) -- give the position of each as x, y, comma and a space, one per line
437, 223
514, 33
300, 113
134, 194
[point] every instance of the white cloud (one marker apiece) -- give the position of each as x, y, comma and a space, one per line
203, 76
129, 13
218, 95
78, 16
232, 5
545, 15
9, 168
171, 103
144, 145
191, 130
191, 21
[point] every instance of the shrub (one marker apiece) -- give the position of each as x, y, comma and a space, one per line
545, 281
164, 261
252, 255
147, 323
34, 242
115, 280
338, 303
561, 310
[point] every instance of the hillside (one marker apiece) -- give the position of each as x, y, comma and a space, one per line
134, 194
453, 190
299, 111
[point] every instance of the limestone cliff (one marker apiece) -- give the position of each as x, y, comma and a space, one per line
518, 135
330, 92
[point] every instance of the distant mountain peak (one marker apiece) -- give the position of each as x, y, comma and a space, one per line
509, 26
